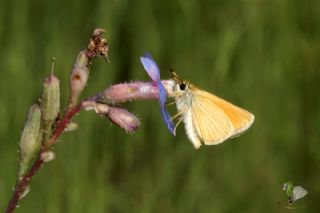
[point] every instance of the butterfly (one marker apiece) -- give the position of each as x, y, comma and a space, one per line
207, 118
294, 193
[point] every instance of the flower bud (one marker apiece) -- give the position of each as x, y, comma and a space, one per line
123, 119
78, 77
50, 104
71, 127
50, 99
47, 156
125, 92
128, 92
118, 116
30, 138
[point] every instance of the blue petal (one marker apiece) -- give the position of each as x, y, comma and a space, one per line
162, 100
150, 66
153, 71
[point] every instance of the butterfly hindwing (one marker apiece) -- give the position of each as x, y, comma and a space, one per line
211, 123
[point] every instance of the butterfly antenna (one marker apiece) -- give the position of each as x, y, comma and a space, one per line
175, 76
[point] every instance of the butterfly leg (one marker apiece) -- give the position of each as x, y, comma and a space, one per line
176, 115
179, 121
173, 102
180, 115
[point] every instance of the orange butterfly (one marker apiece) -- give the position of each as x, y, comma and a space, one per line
207, 118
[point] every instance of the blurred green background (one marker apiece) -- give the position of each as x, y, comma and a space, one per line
262, 55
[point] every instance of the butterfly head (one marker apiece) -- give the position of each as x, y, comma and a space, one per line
181, 86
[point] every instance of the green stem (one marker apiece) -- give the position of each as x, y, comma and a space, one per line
23, 182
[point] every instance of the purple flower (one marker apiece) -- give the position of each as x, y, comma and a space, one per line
153, 71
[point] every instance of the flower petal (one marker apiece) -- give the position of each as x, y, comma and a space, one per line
153, 71
162, 100
150, 66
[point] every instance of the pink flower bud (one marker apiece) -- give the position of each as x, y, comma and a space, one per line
130, 91
118, 116
133, 91
78, 77
123, 119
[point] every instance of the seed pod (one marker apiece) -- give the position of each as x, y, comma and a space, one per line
50, 104
30, 139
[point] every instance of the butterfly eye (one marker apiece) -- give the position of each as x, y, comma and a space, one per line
182, 86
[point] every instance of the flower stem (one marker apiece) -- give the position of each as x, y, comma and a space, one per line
62, 124
23, 182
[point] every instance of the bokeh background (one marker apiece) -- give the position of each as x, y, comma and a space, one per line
262, 55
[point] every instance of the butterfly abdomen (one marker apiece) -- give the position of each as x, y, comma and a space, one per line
190, 130
184, 106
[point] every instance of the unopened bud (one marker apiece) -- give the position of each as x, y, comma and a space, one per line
125, 92
128, 92
123, 119
50, 99
71, 127
118, 116
47, 156
50, 104
30, 138
98, 32
78, 78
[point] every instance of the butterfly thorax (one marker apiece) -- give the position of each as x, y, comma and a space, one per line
288, 188
184, 102
183, 95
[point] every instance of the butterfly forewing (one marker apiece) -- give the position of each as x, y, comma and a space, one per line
211, 123
299, 192
241, 119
